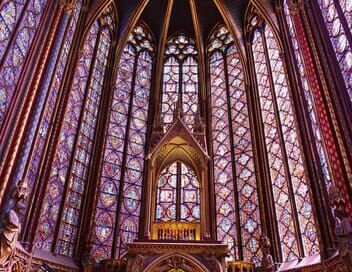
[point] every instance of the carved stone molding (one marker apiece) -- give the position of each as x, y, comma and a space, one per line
190, 257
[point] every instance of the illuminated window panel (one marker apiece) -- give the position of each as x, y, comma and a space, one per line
133, 179
21, 29
166, 194
222, 158
180, 81
293, 149
36, 137
83, 152
10, 12
279, 178
123, 161
106, 210
338, 32
190, 90
229, 98
309, 99
170, 91
244, 161
189, 195
178, 194
55, 189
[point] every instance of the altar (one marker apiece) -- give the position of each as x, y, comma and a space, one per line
185, 256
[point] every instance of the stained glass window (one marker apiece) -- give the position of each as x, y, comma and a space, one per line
232, 148
66, 186
133, 178
19, 23
60, 166
180, 80
166, 194
338, 19
123, 159
170, 90
178, 194
36, 137
189, 195
83, 150
309, 99
287, 172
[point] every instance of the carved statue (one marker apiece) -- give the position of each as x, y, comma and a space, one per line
343, 227
8, 237
267, 261
137, 263
20, 195
215, 264
87, 259
199, 125
176, 262
343, 232
337, 200
11, 228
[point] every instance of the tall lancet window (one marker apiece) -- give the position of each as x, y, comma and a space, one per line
178, 194
338, 19
116, 218
313, 116
235, 181
19, 22
290, 193
180, 81
32, 152
62, 205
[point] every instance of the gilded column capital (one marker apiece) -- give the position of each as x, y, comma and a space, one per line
294, 9
301, 4
68, 5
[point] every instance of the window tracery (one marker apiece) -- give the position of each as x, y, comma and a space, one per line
178, 194
40, 124
68, 176
180, 80
309, 99
287, 171
118, 205
19, 23
338, 19
123, 159
234, 172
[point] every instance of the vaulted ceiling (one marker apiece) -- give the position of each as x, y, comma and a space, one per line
184, 15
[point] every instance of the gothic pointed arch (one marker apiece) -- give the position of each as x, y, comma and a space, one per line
117, 209
181, 161
290, 185
234, 168
180, 80
173, 135
38, 132
184, 262
60, 217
